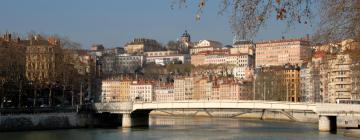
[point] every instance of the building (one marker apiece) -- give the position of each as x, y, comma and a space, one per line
243, 47
160, 53
183, 87
310, 79
185, 37
339, 74
202, 89
97, 50
110, 90
281, 52
237, 63
141, 45
200, 58
124, 93
171, 59
108, 64
291, 74
167, 57
232, 89
336, 73
142, 91
114, 51
42, 59
164, 92
126, 63
205, 45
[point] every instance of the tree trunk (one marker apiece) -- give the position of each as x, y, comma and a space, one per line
34, 100
50, 96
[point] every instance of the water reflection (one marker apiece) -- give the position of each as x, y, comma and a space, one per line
187, 128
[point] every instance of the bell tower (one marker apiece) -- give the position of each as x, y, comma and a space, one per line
185, 37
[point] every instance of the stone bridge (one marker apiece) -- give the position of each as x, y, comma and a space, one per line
137, 113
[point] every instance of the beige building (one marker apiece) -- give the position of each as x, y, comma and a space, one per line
232, 89
281, 52
202, 89
243, 47
340, 85
110, 90
183, 88
205, 45
141, 45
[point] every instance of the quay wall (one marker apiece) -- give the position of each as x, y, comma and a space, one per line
48, 121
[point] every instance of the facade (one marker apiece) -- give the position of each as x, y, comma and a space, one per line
164, 93
340, 84
110, 91
141, 45
291, 74
169, 59
243, 47
205, 45
281, 52
183, 88
160, 53
229, 90
142, 91
336, 73
202, 89
42, 58
310, 80
126, 63
124, 93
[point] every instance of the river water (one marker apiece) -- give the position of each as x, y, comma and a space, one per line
188, 128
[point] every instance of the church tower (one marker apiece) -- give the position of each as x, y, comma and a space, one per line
185, 37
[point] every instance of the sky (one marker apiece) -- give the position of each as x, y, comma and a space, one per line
115, 22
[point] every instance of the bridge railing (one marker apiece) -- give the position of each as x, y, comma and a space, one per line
337, 109
223, 104
114, 107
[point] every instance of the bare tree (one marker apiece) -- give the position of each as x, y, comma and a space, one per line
340, 19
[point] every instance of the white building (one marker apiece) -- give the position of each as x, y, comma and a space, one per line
310, 83
126, 63
141, 91
164, 93
169, 59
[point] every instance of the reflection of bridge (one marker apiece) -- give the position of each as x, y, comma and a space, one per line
137, 113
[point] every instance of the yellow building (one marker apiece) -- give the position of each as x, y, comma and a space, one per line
124, 94
141, 45
291, 76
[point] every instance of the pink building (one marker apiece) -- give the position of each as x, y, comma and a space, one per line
280, 52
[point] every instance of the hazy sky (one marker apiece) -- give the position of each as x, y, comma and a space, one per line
115, 22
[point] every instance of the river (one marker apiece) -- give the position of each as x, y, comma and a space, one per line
188, 128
